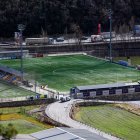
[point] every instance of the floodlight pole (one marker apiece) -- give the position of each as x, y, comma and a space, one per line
110, 41
21, 28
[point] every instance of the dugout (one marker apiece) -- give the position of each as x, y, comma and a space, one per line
92, 91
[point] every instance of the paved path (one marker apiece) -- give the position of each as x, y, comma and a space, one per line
60, 113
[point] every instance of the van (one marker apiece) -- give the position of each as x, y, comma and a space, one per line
65, 99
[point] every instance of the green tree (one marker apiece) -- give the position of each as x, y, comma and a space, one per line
8, 132
77, 31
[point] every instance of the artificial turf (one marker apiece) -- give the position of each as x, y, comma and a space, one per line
11, 91
63, 72
112, 120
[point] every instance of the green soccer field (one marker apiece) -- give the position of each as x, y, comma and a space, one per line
111, 119
11, 91
63, 72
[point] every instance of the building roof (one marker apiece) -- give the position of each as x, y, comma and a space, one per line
65, 133
103, 86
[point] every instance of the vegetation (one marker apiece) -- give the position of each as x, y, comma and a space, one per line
23, 126
21, 110
112, 120
8, 132
64, 72
57, 16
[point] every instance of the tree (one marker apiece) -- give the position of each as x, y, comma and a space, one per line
77, 31
8, 132
55, 15
132, 22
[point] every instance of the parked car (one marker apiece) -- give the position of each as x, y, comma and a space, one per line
60, 39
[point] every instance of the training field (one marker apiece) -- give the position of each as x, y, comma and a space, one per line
63, 72
10, 91
111, 119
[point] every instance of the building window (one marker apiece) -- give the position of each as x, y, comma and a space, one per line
86, 94
99, 92
112, 91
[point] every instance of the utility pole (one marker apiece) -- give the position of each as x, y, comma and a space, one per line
43, 14
21, 28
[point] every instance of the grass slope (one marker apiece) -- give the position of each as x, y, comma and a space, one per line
8, 91
64, 72
112, 120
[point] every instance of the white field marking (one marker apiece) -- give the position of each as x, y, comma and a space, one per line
65, 54
98, 58
70, 133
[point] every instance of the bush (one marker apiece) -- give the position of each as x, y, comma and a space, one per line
8, 132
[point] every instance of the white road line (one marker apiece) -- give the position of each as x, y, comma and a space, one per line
71, 133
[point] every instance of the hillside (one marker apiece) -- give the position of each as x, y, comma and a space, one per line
57, 16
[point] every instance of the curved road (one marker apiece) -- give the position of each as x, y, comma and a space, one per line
60, 113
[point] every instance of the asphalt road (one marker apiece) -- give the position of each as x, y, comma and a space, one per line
60, 113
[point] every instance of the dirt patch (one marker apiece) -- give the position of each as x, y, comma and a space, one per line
130, 107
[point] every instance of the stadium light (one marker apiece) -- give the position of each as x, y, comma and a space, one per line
21, 28
110, 42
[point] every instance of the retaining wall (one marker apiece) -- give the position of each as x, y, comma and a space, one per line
26, 103
44, 118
